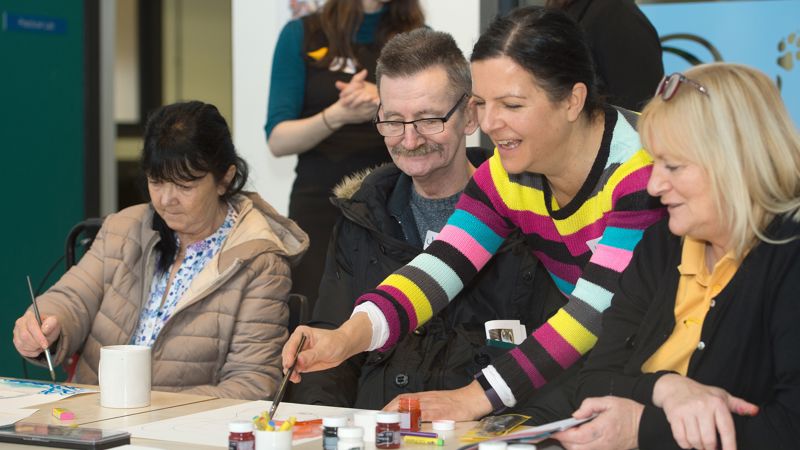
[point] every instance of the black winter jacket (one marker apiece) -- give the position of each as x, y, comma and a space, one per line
375, 236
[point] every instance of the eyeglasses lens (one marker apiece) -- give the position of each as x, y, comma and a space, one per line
673, 81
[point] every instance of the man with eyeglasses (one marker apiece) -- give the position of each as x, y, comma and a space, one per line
390, 214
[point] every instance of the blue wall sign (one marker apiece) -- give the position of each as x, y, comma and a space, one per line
764, 34
33, 23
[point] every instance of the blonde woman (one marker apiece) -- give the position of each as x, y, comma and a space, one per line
700, 345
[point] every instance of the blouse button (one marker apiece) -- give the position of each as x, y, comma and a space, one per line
713, 303
701, 345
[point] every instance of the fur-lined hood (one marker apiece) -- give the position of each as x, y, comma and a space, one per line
352, 183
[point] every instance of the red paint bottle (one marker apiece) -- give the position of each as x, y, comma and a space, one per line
241, 435
387, 430
410, 414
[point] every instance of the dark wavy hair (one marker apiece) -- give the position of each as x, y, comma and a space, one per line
549, 45
339, 21
184, 142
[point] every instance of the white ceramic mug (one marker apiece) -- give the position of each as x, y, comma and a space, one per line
367, 420
273, 440
124, 374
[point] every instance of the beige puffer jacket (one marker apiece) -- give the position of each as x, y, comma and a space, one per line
226, 334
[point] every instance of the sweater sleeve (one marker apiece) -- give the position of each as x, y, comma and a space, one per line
412, 295
603, 374
573, 330
287, 83
474, 232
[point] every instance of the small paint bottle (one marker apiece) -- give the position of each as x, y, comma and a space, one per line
387, 430
521, 447
493, 445
350, 438
241, 435
410, 414
330, 435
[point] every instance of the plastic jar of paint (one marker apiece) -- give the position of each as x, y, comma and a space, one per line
521, 447
350, 438
330, 435
387, 430
493, 445
410, 414
241, 435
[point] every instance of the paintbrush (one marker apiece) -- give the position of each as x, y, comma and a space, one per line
282, 389
39, 319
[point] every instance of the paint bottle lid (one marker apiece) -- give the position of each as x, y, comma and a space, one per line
443, 425
334, 421
493, 445
388, 417
240, 426
521, 447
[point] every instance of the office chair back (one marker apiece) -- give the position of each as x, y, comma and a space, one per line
79, 239
299, 313
86, 230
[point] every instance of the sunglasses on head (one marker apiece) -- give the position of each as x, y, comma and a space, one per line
670, 83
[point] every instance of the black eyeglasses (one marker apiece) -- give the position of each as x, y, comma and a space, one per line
431, 125
670, 83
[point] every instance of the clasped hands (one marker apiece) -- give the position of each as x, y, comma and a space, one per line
697, 414
358, 101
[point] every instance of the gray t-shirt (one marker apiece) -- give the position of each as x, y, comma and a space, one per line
431, 214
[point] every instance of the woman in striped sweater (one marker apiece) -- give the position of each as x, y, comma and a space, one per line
568, 171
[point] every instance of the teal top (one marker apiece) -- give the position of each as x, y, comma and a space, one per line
287, 85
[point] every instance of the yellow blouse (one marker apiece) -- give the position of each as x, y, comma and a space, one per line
696, 294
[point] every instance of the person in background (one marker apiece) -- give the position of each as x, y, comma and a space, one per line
389, 215
201, 274
300, 8
625, 48
700, 345
568, 172
322, 98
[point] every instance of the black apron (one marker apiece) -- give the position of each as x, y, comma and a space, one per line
351, 148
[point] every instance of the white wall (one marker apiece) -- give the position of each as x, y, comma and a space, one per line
255, 28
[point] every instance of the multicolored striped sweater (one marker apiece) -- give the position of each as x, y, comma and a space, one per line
584, 246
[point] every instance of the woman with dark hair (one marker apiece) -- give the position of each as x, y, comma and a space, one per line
568, 172
200, 274
625, 48
321, 102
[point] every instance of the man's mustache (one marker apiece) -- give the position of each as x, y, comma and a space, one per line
424, 149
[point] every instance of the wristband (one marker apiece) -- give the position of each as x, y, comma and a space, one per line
497, 405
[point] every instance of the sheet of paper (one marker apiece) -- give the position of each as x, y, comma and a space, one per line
17, 394
10, 417
211, 427
544, 431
